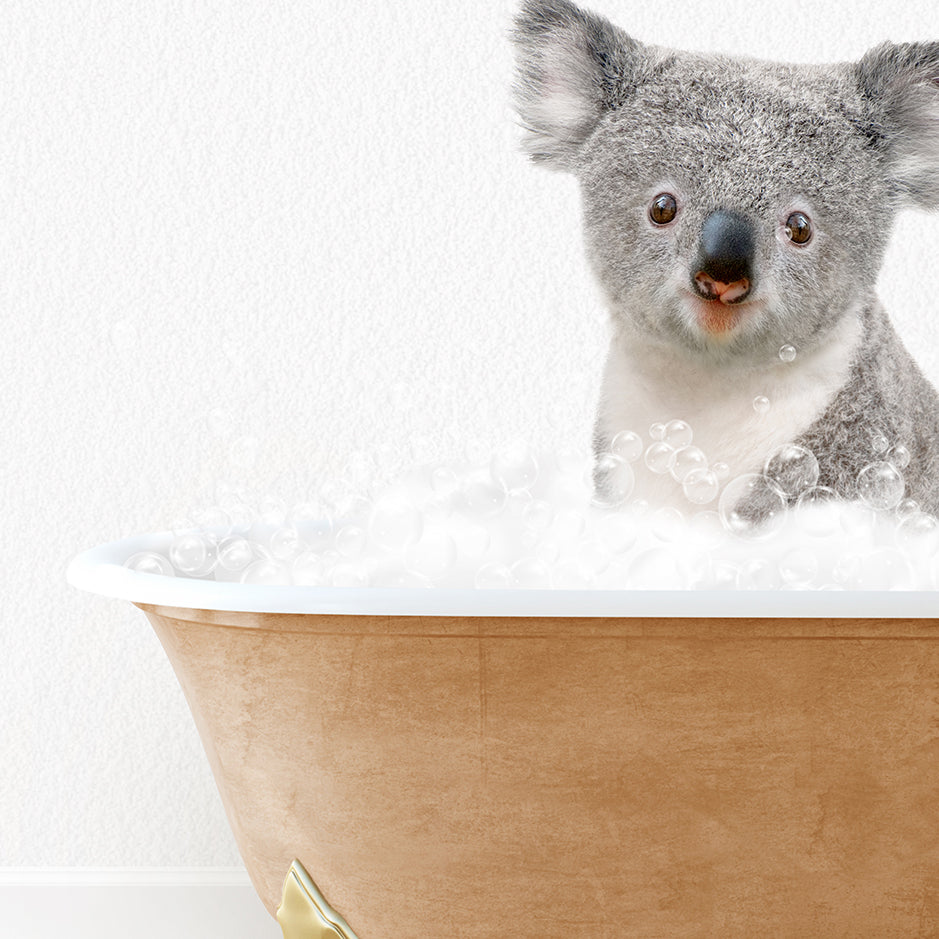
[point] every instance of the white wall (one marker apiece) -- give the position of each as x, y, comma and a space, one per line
305, 223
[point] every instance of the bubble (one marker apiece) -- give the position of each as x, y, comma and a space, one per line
677, 434
920, 532
657, 569
618, 532
272, 510
906, 507
721, 470
285, 543
348, 575
752, 506
150, 562
879, 569
574, 574
798, 567
880, 485
707, 529
657, 431
568, 525
444, 481
758, 574
351, 541
266, 571
531, 574
687, 459
818, 516
668, 524
879, 443
484, 497
659, 457
761, 404
899, 456
434, 554
215, 522
308, 569
538, 515
493, 576
190, 554
787, 353
471, 539
627, 445
235, 554
615, 481
514, 466
395, 524
701, 486
793, 468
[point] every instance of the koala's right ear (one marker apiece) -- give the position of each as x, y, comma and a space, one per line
572, 67
901, 83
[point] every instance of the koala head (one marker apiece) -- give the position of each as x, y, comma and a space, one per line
731, 206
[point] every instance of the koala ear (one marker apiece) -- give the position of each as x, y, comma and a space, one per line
901, 83
572, 67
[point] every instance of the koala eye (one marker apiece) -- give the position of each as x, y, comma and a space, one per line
798, 228
664, 208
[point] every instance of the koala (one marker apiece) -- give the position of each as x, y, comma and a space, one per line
734, 208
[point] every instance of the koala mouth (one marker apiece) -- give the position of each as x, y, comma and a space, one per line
724, 310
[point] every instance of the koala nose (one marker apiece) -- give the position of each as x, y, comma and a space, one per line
725, 258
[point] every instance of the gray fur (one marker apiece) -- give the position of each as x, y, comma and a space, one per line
851, 142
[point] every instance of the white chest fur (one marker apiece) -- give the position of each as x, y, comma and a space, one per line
643, 386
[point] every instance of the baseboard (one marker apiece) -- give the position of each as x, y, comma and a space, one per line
144, 902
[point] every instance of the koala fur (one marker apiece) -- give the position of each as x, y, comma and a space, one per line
750, 149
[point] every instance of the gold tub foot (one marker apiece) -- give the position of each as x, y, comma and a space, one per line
304, 913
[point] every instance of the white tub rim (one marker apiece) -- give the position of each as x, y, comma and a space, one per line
101, 570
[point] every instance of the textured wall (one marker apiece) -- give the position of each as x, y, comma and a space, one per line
304, 224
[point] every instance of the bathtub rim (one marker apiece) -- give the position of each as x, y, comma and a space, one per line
101, 570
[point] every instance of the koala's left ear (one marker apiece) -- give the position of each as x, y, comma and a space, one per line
901, 83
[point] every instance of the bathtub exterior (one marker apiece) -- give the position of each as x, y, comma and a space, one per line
537, 777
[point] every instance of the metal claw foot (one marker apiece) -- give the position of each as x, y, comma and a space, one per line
304, 913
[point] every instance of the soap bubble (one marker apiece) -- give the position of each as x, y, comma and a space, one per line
793, 468
308, 569
395, 524
627, 445
721, 470
190, 553
574, 574
657, 431
615, 481
266, 571
787, 353
351, 541
752, 506
434, 554
538, 515
530, 573
659, 457
568, 525
668, 524
348, 575
618, 532
484, 497
686, 459
677, 434
798, 567
150, 562
493, 576
658, 569
758, 574
879, 569
514, 466
906, 507
235, 554
899, 456
919, 532
880, 485
817, 516
879, 443
761, 404
701, 486
285, 543
445, 481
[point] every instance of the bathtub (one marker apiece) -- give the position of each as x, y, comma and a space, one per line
441, 764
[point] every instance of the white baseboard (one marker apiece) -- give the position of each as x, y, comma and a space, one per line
146, 903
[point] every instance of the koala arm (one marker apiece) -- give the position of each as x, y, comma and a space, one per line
886, 395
